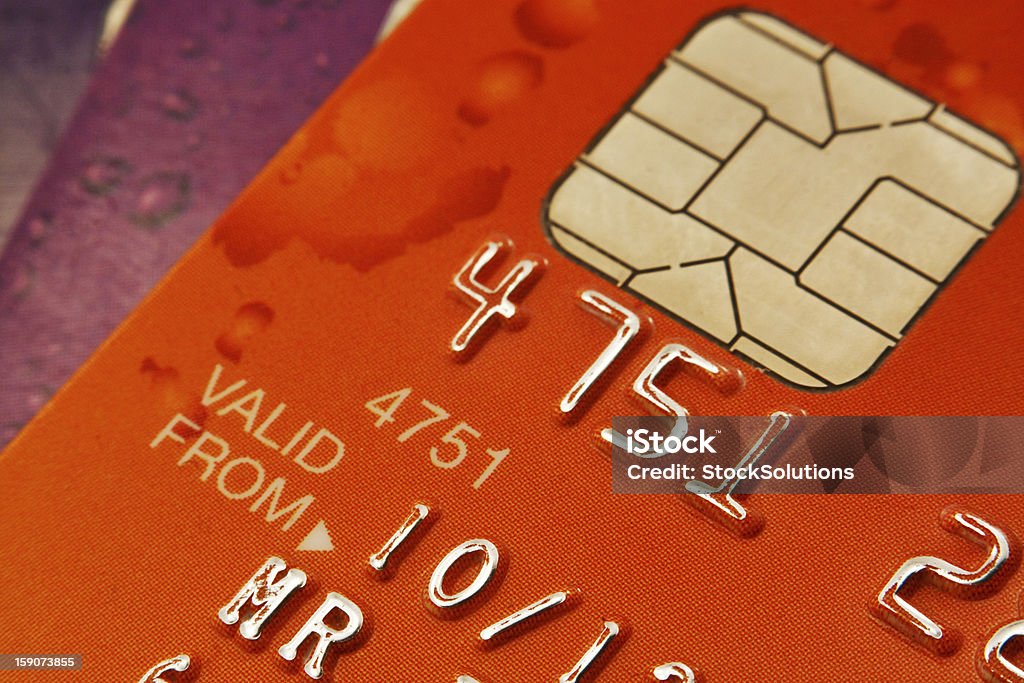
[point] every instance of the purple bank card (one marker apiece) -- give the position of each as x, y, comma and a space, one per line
48, 49
192, 100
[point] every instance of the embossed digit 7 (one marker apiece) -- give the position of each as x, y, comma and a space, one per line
1003, 558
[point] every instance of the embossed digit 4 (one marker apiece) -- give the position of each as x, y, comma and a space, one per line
490, 302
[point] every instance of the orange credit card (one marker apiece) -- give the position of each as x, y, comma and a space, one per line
360, 432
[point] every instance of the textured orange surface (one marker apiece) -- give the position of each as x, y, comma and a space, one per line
325, 285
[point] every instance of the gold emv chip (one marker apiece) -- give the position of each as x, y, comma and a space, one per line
787, 201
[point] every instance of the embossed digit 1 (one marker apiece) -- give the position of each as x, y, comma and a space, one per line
610, 630
380, 559
993, 666
1002, 559
490, 302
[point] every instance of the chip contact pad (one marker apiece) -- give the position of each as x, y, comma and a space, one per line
788, 202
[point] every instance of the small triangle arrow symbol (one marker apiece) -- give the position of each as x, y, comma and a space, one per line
319, 539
